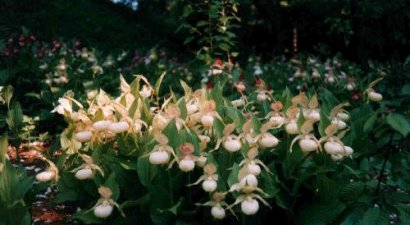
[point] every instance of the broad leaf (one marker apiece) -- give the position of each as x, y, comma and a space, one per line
399, 123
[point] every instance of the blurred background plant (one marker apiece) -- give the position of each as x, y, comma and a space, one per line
17, 189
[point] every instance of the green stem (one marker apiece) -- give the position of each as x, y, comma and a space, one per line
17, 156
229, 164
386, 158
15, 136
189, 188
171, 189
287, 155
210, 31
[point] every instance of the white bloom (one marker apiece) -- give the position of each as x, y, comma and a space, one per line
158, 157
84, 174
249, 180
200, 161
308, 145
146, 91
254, 168
118, 127
46, 176
103, 211
101, 125
250, 206
333, 148
207, 120
232, 145
267, 140
292, 128
43, 66
238, 102
209, 185
374, 96
64, 105
192, 108
258, 70
343, 116
261, 97
277, 120
186, 165
218, 212
83, 136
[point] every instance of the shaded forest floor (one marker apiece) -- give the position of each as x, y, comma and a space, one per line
43, 209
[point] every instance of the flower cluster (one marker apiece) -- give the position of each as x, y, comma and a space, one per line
206, 124
72, 62
305, 72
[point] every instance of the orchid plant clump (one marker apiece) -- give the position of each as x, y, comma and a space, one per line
238, 146
202, 131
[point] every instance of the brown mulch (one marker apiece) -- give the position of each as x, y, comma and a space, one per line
43, 210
